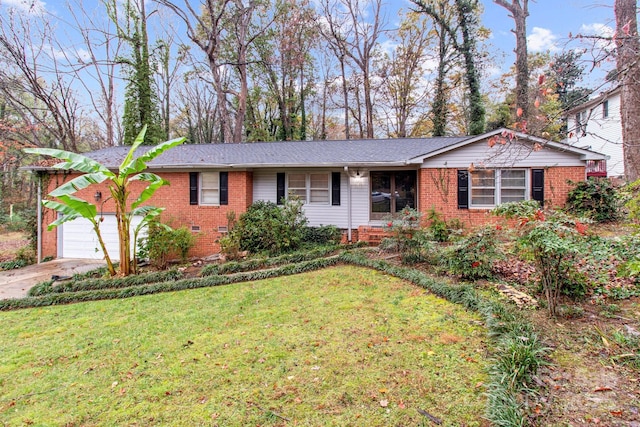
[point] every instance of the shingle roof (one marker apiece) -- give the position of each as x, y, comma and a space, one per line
353, 153
291, 154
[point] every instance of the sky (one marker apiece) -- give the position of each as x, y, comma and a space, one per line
550, 22
549, 25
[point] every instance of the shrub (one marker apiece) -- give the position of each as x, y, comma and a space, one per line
596, 199
11, 265
323, 235
406, 237
183, 242
230, 243
551, 240
162, 242
26, 255
266, 227
473, 257
437, 226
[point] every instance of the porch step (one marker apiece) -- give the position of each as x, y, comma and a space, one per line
372, 235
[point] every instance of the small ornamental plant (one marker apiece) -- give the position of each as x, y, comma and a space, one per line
406, 236
473, 257
551, 240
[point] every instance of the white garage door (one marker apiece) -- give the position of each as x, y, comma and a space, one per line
78, 240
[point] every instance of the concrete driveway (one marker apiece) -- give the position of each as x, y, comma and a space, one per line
16, 283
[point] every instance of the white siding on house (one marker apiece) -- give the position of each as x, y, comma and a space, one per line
598, 133
511, 154
360, 200
264, 188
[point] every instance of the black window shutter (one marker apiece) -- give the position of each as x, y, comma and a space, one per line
335, 188
224, 188
280, 188
537, 185
463, 189
193, 188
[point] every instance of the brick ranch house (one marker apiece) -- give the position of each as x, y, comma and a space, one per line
351, 184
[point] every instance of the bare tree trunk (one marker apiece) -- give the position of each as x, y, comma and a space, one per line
629, 76
519, 12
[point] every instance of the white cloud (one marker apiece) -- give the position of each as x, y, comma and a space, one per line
542, 40
600, 35
82, 55
596, 29
26, 6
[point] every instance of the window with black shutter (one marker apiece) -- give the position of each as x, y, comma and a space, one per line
224, 188
193, 188
463, 189
280, 188
537, 185
335, 188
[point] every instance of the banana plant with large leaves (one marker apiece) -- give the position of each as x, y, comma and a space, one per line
130, 170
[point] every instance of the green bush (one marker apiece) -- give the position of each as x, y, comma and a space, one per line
268, 228
406, 237
269, 262
323, 235
552, 240
473, 257
438, 227
12, 265
596, 199
163, 242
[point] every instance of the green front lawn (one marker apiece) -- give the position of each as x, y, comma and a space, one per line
340, 346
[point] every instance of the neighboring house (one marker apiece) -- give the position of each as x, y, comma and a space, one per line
596, 125
353, 184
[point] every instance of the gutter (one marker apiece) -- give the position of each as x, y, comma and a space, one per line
184, 166
349, 222
39, 218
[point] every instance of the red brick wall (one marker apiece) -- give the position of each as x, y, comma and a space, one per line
438, 189
178, 212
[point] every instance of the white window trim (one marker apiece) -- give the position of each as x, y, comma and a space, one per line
201, 188
498, 187
308, 188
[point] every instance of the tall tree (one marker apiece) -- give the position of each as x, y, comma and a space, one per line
355, 28
93, 64
519, 11
566, 72
197, 116
284, 56
463, 37
168, 63
141, 101
34, 83
403, 90
225, 30
330, 30
628, 69
439, 110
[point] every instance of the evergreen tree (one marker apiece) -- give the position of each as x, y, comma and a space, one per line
141, 101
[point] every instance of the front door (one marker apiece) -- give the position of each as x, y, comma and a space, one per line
391, 192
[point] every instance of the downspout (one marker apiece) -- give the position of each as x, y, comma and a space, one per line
349, 223
39, 217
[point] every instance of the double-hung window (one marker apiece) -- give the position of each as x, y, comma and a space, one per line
297, 186
209, 188
490, 187
319, 188
309, 187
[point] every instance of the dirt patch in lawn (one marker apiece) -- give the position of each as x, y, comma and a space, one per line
10, 243
594, 378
